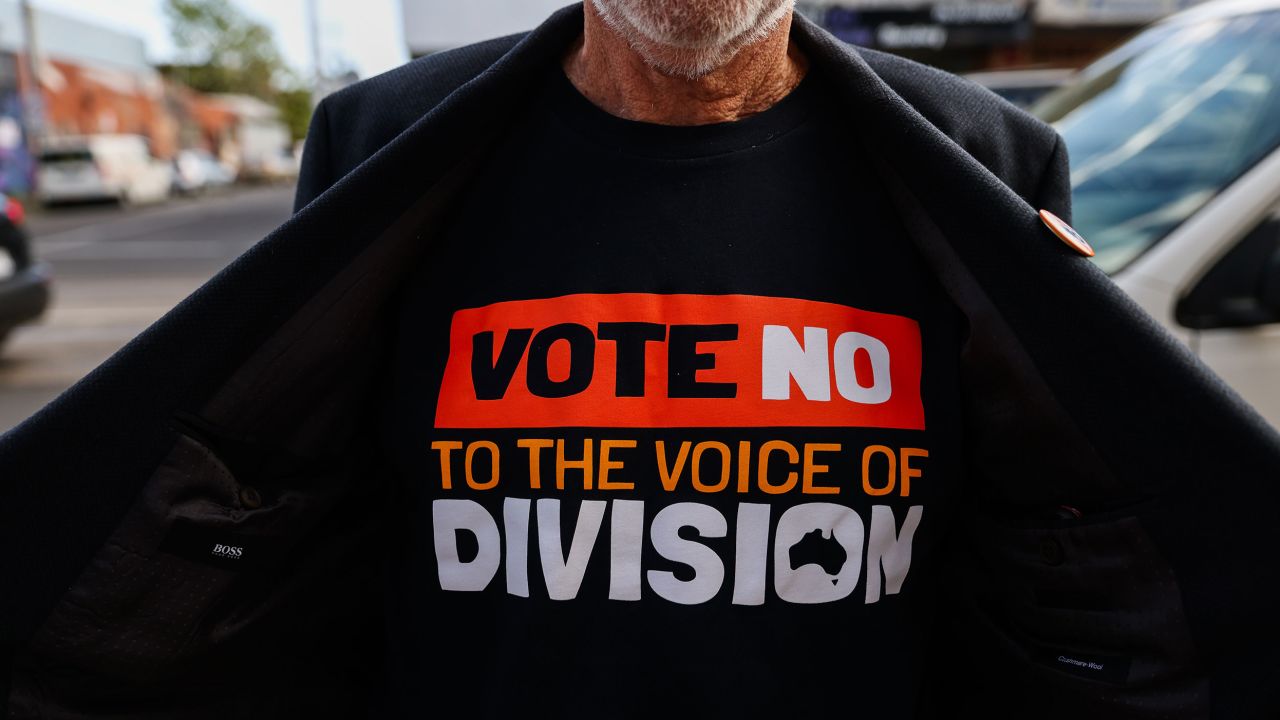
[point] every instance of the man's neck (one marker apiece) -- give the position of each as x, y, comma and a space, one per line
604, 68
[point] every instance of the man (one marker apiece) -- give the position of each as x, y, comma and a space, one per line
673, 358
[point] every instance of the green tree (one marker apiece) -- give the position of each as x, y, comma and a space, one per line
295, 110
224, 51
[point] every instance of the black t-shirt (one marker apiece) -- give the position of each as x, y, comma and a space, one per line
675, 419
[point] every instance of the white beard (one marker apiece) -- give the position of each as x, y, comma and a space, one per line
691, 38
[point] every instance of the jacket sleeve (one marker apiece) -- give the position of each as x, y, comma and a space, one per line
1140, 583
314, 176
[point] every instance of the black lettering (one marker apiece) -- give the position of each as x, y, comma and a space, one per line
684, 361
582, 360
631, 338
489, 378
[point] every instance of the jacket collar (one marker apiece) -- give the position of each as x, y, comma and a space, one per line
932, 163
980, 215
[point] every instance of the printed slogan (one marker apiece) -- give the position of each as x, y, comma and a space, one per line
644, 360
594, 433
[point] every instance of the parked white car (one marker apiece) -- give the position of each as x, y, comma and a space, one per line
196, 171
102, 167
1174, 141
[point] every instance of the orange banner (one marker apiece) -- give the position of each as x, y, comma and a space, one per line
648, 360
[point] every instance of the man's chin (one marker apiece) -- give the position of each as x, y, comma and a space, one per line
683, 63
689, 61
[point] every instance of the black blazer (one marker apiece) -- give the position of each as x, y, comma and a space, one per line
232, 419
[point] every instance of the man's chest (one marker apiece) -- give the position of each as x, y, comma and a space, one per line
595, 368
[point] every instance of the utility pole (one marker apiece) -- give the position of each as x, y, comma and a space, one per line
313, 18
32, 100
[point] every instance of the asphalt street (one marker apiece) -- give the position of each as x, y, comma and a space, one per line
117, 271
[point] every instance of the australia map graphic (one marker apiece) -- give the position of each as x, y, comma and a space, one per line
821, 550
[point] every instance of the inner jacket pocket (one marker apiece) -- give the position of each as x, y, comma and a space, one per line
196, 590
1092, 613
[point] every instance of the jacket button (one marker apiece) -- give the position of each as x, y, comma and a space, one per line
1051, 551
1066, 233
250, 498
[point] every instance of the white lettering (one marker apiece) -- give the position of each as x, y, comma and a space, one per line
564, 574
847, 382
626, 535
447, 518
515, 525
750, 567
889, 550
810, 583
708, 570
782, 358
227, 551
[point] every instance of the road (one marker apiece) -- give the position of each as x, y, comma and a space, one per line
117, 271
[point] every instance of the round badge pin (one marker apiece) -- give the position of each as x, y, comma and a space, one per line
1066, 233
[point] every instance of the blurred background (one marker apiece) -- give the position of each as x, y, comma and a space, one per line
146, 143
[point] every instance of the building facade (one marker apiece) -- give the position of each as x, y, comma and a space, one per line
956, 35
87, 79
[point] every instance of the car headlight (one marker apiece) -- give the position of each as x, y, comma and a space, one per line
7, 266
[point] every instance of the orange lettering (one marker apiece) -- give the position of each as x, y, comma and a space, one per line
493, 457
535, 446
724, 466
606, 465
811, 469
866, 469
445, 447
672, 478
765, 450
